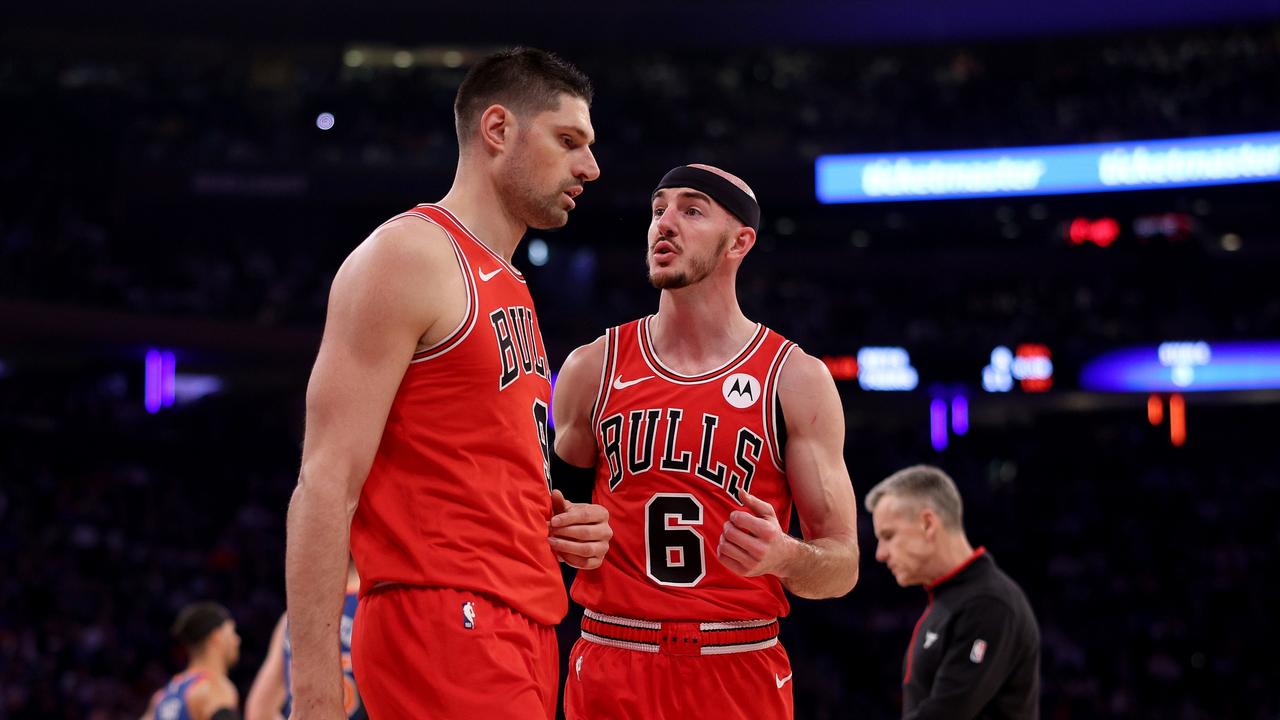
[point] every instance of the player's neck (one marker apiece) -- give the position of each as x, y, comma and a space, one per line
208, 665
699, 328
481, 210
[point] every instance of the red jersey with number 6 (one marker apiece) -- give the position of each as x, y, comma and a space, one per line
674, 453
457, 496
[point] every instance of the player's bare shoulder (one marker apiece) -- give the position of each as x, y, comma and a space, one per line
806, 388
407, 266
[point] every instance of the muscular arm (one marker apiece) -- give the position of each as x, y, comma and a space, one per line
825, 563
580, 532
576, 388
266, 697
399, 286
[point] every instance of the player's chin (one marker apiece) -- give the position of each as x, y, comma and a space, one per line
551, 219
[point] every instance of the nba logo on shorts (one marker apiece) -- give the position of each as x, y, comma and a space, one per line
468, 615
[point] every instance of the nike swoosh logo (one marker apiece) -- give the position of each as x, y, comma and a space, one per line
487, 276
782, 681
619, 385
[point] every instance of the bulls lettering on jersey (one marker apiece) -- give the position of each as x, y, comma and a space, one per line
675, 454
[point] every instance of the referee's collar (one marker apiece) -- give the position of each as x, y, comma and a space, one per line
980, 552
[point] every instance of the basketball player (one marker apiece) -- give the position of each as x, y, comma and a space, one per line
202, 691
426, 433
269, 698
702, 428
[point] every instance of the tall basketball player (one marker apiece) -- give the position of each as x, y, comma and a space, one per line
270, 699
202, 691
426, 433
702, 429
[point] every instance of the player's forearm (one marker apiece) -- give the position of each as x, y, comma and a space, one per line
315, 579
822, 568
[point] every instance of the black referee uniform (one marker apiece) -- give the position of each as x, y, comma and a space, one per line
975, 652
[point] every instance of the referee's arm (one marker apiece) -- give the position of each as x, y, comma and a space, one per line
963, 686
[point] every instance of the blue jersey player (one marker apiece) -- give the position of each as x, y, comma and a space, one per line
270, 699
202, 691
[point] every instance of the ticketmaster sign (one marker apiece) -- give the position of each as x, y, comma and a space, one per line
1050, 169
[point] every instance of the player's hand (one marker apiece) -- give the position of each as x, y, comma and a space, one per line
579, 533
753, 542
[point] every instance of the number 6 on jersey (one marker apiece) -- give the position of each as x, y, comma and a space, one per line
674, 550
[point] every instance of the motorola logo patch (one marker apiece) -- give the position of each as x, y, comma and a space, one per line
741, 390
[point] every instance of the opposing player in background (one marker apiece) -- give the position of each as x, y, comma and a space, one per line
202, 691
269, 698
702, 428
426, 447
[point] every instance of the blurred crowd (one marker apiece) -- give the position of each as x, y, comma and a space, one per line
193, 183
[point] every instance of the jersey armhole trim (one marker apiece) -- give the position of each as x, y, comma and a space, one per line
774, 400
607, 368
465, 326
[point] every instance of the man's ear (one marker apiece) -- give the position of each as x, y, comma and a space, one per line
931, 522
741, 242
497, 128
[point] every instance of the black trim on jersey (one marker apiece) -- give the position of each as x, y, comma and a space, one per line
780, 421
536, 347
519, 324
612, 447
506, 346
746, 464
704, 470
671, 462
650, 419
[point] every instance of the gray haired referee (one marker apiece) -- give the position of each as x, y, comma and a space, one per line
975, 652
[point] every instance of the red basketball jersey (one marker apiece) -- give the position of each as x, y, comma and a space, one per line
457, 496
674, 452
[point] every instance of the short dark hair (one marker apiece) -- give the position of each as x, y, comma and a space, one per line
197, 621
522, 79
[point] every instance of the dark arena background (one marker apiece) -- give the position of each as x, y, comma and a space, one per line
1091, 350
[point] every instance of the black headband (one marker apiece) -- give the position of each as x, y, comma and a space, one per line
730, 196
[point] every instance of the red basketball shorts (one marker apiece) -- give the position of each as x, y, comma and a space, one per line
441, 653
621, 670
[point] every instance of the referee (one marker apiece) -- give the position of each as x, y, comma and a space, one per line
975, 652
